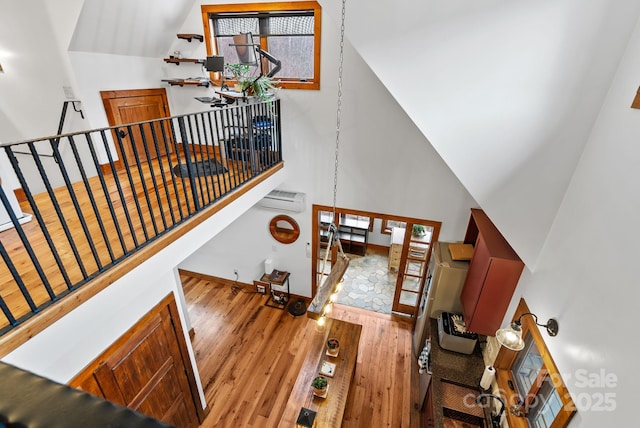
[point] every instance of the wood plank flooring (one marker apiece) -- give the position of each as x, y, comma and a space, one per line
249, 355
99, 260
139, 215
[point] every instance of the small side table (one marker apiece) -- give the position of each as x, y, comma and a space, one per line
279, 293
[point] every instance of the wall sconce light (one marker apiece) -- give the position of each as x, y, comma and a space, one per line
511, 337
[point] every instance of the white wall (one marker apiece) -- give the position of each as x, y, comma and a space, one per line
586, 275
505, 91
385, 166
31, 86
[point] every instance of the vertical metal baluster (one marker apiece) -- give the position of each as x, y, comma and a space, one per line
228, 141
75, 202
116, 178
196, 177
132, 186
246, 120
262, 135
241, 143
105, 191
92, 199
210, 153
38, 215
163, 173
150, 163
222, 177
204, 156
6, 311
277, 140
187, 157
30, 252
58, 209
143, 181
176, 151
17, 278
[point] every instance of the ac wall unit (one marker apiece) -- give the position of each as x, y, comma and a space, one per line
283, 200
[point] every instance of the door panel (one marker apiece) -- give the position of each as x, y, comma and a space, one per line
146, 371
139, 109
126, 107
412, 272
147, 374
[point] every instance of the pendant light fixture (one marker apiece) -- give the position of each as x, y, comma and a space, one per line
331, 286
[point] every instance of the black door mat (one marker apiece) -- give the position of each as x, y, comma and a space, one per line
199, 168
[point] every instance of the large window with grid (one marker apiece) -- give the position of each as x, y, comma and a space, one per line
287, 31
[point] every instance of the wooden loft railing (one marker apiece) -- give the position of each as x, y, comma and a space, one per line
93, 214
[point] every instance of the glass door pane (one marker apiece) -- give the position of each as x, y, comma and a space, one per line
324, 259
413, 268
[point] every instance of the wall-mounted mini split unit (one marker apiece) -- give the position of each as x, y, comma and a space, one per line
283, 200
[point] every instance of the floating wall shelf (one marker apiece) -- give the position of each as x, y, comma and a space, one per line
187, 82
177, 61
189, 37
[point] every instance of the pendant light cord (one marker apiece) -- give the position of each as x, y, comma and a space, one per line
339, 108
338, 113
334, 238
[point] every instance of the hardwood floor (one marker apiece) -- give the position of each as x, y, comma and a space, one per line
249, 355
85, 278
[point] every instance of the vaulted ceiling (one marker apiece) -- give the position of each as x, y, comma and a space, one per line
505, 91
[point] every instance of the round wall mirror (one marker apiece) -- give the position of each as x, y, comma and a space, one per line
284, 229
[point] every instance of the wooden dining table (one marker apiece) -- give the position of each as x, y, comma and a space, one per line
330, 409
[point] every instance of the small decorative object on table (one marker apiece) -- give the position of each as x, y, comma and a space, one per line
306, 417
278, 288
418, 230
320, 385
261, 287
327, 369
333, 347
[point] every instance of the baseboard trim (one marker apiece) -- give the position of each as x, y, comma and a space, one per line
231, 282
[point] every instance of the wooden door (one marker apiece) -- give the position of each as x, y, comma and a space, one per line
412, 272
146, 371
133, 106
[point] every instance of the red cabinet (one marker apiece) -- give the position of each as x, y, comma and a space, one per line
493, 274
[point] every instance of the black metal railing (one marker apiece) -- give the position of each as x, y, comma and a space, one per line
94, 198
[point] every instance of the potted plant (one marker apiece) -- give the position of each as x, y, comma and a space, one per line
239, 72
319, 385
419, 230
260, 87
333, 347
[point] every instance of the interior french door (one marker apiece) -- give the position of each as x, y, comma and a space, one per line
416, 251
412, 272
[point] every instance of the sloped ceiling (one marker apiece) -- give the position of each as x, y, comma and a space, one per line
505, 91
129, 27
